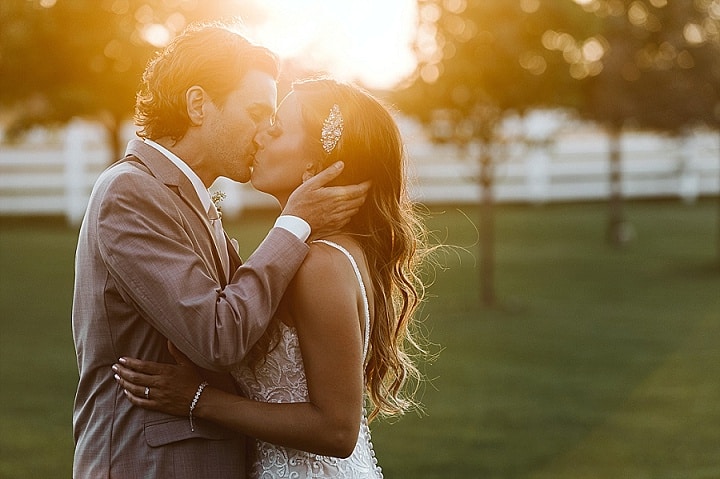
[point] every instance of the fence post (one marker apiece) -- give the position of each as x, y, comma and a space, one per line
688, 181
541, 129
74, 152
538, 171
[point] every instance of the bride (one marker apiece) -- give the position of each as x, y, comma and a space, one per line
339, 339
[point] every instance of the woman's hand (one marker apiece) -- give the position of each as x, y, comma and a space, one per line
326, 208
170, 387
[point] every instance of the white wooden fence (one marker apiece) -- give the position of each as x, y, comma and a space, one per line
575, 167
53, 173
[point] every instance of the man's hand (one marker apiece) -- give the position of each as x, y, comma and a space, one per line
326, 208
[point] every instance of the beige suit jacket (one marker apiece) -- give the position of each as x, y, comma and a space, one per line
146, 271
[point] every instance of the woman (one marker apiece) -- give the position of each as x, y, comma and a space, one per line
342, 328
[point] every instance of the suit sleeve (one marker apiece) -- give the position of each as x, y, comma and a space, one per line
150, 248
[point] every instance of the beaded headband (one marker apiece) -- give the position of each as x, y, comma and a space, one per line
332, 129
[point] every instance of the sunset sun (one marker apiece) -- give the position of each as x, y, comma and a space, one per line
368, 42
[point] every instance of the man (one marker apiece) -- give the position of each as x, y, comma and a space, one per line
149, 267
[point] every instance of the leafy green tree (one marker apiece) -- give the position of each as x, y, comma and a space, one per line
62, 59
481, 60
660, 72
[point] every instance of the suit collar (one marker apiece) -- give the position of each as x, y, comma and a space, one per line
197, 183
164, 169
158, 164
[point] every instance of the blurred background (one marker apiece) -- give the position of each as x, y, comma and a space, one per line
567, 152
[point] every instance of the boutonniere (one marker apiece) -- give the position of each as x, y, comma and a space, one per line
217, 198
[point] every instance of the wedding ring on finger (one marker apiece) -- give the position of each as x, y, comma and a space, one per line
147, 392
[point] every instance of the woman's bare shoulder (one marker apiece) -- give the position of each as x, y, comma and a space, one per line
326, 271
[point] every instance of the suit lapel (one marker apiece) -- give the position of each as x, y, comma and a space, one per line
163, 169
235, 259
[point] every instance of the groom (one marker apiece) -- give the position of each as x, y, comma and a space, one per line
149, 267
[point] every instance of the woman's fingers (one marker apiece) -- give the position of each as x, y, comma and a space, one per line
159, 393
147, 367
132, 390
139, 400
136, 386
133, 377
159, 386
132, 382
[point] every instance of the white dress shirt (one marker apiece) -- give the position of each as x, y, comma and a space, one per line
295, 225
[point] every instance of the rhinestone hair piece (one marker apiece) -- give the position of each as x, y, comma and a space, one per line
332, 129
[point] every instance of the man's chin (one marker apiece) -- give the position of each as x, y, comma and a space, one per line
242, 176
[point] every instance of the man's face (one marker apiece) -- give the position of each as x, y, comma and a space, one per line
229, 131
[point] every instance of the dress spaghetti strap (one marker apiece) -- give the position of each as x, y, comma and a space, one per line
366, 340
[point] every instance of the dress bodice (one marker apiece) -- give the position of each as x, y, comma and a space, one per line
280, 378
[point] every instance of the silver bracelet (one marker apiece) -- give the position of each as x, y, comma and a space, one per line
195, 401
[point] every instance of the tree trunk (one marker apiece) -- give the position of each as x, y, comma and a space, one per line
487, 229
117, 147
113, 131
617, 231
718, 219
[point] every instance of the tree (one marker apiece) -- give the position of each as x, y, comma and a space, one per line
660, 72
62, 59
479, 61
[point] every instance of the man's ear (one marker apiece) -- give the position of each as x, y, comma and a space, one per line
196, 96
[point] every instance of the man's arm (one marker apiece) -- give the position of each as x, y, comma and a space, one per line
161, 260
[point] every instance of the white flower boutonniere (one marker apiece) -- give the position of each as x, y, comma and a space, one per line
217, 198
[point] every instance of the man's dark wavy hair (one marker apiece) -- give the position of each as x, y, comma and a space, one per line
211, 55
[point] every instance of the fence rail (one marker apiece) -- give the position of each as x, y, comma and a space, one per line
55, 176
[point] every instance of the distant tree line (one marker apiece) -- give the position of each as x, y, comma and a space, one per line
642, 64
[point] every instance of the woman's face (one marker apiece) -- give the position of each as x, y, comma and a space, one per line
282, 157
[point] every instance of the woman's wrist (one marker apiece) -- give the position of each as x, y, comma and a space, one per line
220, 407
194, 403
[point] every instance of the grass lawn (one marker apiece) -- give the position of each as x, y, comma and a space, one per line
597, 364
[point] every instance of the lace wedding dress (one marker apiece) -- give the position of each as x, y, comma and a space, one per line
281, 379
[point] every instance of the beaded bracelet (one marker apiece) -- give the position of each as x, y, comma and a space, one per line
195, 401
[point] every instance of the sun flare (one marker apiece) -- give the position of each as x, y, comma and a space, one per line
369, 42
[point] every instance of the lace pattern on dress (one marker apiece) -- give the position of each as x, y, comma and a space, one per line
281, 379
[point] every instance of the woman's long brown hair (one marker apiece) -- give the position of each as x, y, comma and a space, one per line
387, 228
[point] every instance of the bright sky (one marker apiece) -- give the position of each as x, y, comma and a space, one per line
368, 41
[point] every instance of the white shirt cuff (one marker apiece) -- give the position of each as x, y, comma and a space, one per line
295, 225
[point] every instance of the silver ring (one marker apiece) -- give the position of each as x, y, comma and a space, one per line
147, 392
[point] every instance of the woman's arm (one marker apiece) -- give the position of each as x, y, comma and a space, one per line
324, 301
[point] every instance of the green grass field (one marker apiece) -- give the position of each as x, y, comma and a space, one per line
598, 364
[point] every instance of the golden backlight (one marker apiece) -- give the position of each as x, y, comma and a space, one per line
366, 41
